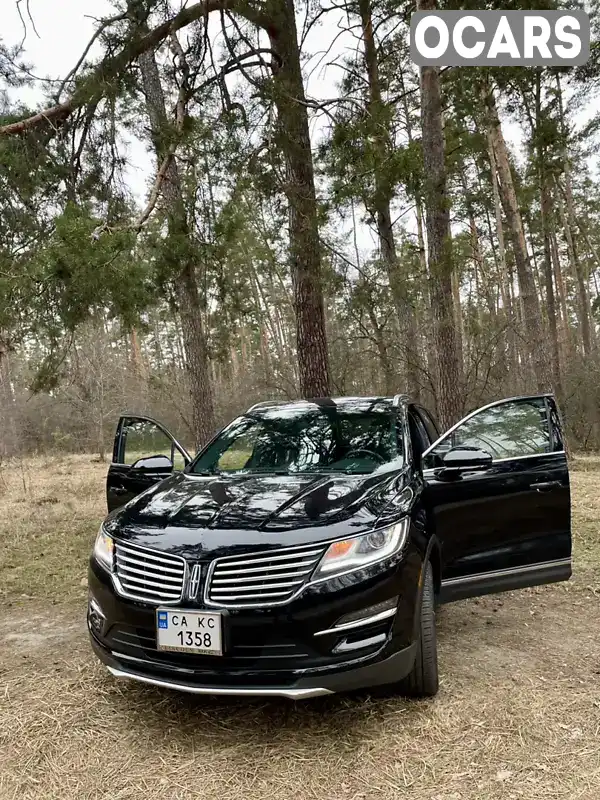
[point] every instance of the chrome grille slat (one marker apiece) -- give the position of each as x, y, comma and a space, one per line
160, 559
129, 560
228, 589
133, 571
156, 577
261, 579
274, 558
250, 570
140, 581
235, 596
251, 578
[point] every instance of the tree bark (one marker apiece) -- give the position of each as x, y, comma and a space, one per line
532, 317
8, 432
570, 226
381, 205
449, 380
186, 283
545, 217
305, 250
583, 302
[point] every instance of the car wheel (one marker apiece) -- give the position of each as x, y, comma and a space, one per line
423, 681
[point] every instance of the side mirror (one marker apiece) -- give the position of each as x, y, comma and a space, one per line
467, 458
154, 464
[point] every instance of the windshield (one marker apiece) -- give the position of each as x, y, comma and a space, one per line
304, 439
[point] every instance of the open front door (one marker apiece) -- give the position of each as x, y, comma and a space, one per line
144, 453
497, 492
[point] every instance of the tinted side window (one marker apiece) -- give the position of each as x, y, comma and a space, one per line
430, 426
510, 430
557, 430
420, 439
141, 438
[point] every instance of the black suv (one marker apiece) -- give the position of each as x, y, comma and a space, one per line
303, 550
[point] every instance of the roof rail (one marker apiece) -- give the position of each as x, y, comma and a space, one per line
400, 398
266, 404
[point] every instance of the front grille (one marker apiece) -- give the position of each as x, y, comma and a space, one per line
261, 579
148, 574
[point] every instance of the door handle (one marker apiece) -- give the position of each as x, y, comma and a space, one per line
119, 490
546, 486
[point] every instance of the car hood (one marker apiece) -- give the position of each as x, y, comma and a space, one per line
216, 512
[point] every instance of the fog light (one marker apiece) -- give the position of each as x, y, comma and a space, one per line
366, 616
96, 618
370, 611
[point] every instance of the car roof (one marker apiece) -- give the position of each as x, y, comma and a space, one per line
343, 403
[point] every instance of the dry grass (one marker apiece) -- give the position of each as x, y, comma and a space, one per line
518, 714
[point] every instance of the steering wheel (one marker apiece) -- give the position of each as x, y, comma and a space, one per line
370, 453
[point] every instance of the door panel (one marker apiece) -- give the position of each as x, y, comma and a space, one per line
138, 439
507, 526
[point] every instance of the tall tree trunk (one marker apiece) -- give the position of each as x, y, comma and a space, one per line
566, 337
546, 210
532, 317
390, 379
437, 208
546, 205
381, 203
8, 428
424, 268
185, 286
583, 302
570, 226
305, 250
545, 216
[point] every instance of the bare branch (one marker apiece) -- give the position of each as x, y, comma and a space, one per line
109, 68
23, 22
102, 27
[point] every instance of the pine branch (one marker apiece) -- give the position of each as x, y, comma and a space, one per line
94, 86
101, 28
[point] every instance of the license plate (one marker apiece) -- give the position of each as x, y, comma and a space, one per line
189, 631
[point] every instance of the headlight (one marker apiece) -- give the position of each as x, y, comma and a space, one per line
104, 549
362, 551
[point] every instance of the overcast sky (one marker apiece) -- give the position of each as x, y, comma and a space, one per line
65, 26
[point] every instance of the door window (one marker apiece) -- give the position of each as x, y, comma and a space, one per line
142, 438
418, 434
513, 429
432, 430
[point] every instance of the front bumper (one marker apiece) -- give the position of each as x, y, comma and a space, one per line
388, 670
295, 651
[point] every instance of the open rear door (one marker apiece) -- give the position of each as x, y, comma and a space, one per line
144, 453
505, 522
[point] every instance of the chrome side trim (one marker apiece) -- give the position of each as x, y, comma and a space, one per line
431, 470
348, 626
347, 647
532, 455
560, 562
95, 607
292, 694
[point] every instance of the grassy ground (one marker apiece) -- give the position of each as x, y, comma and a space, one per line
518, 714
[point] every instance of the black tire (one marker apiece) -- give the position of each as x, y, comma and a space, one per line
423, 680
